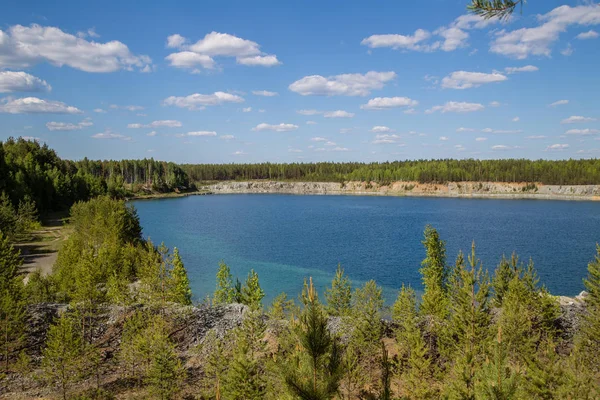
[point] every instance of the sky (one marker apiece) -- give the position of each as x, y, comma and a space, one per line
238, 81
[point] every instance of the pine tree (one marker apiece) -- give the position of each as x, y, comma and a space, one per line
496, 380
500, 9
405, 306
245, 379
545, 375
180, 284
434, 274
588, 340
225, 292
366, 313
23, 367
61, 361
386, 375
468, 326
320, 354
280, 306
503, 274
339, 296
216, 365
252, 294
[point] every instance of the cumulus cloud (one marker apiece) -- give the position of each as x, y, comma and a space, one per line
338, 114
67, 126
536, 137
381, 103
380, 129
502, 147
109, 134
216, 44
466, 80
275, 128
443, 138
21, 82
526, 68
386, 139
495, 104
461, 129
480, 139
516, 119
591, 34
576, 119
168, 123
128, 108
559, 103
25, 46
456, 107
202, 133
99, 111
308, 112
239, 153
342, 85
247, 109
538, 41
226, 137
490, 130
264, 93
318, 139
198, 101
153, 133
33, 105
582, 132
557, 147
396, 41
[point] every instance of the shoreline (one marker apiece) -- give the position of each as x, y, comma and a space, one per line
473, 190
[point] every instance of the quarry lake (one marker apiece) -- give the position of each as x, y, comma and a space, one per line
287, 238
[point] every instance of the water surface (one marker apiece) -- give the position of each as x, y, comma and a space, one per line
286, 238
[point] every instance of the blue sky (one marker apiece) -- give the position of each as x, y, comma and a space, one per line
238, 81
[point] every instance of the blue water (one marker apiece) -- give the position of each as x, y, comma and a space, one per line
286, 238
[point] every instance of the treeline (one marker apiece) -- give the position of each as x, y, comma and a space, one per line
32, 172
564, 172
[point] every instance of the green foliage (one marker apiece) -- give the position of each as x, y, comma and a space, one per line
180, 284
281, 306
434, 274
61, 362
589, 337
251, 293
501, 9
314, 372
339, 296
225, 292
405, 306
366, 314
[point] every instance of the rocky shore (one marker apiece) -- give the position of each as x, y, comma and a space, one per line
498, 190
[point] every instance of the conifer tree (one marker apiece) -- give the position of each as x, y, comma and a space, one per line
588, 340
339, 296
216, 365
545, 376
366, 313
61, 360
320, 353
280, 306
386, 375
434, 274
251, 293
225, 291
468, 325
180, 284
496, 380
405, 306
503, 274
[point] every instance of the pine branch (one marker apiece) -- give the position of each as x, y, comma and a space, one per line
500, 9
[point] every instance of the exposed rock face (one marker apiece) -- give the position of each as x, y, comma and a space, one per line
450, 189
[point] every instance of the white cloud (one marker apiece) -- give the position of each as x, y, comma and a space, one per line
457, 107
21, 82
153, 133
318, 139
99, 111
128, 108
591, 34
308, 112
345, 130
199, 101
64, 126
406, 42
330, 143
386, 139
460, 147
338, 114
202, 133
410, 111
33, 105
109, 134
480, 139
275, 128
311, 123
582, 132
247, 109
516, 119
443, 138
466, 80
576, 119
381, 103
538, 41
490, 130
495, 104
526, 68
536, 137
342, 85
559, 103
461, 129
502, 147
216, 44
340, 149
557, 146
380, 129
226, 137
567, 51
265, 93
168, 123
25, 46
291, 150
239, 153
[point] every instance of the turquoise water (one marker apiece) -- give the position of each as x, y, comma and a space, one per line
286, 238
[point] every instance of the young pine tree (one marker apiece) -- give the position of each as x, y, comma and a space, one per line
434, 274
225, 291
281, 306
251, 293
61, 360
314, 373
496, 380
181, 292
588, 341
339, 296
